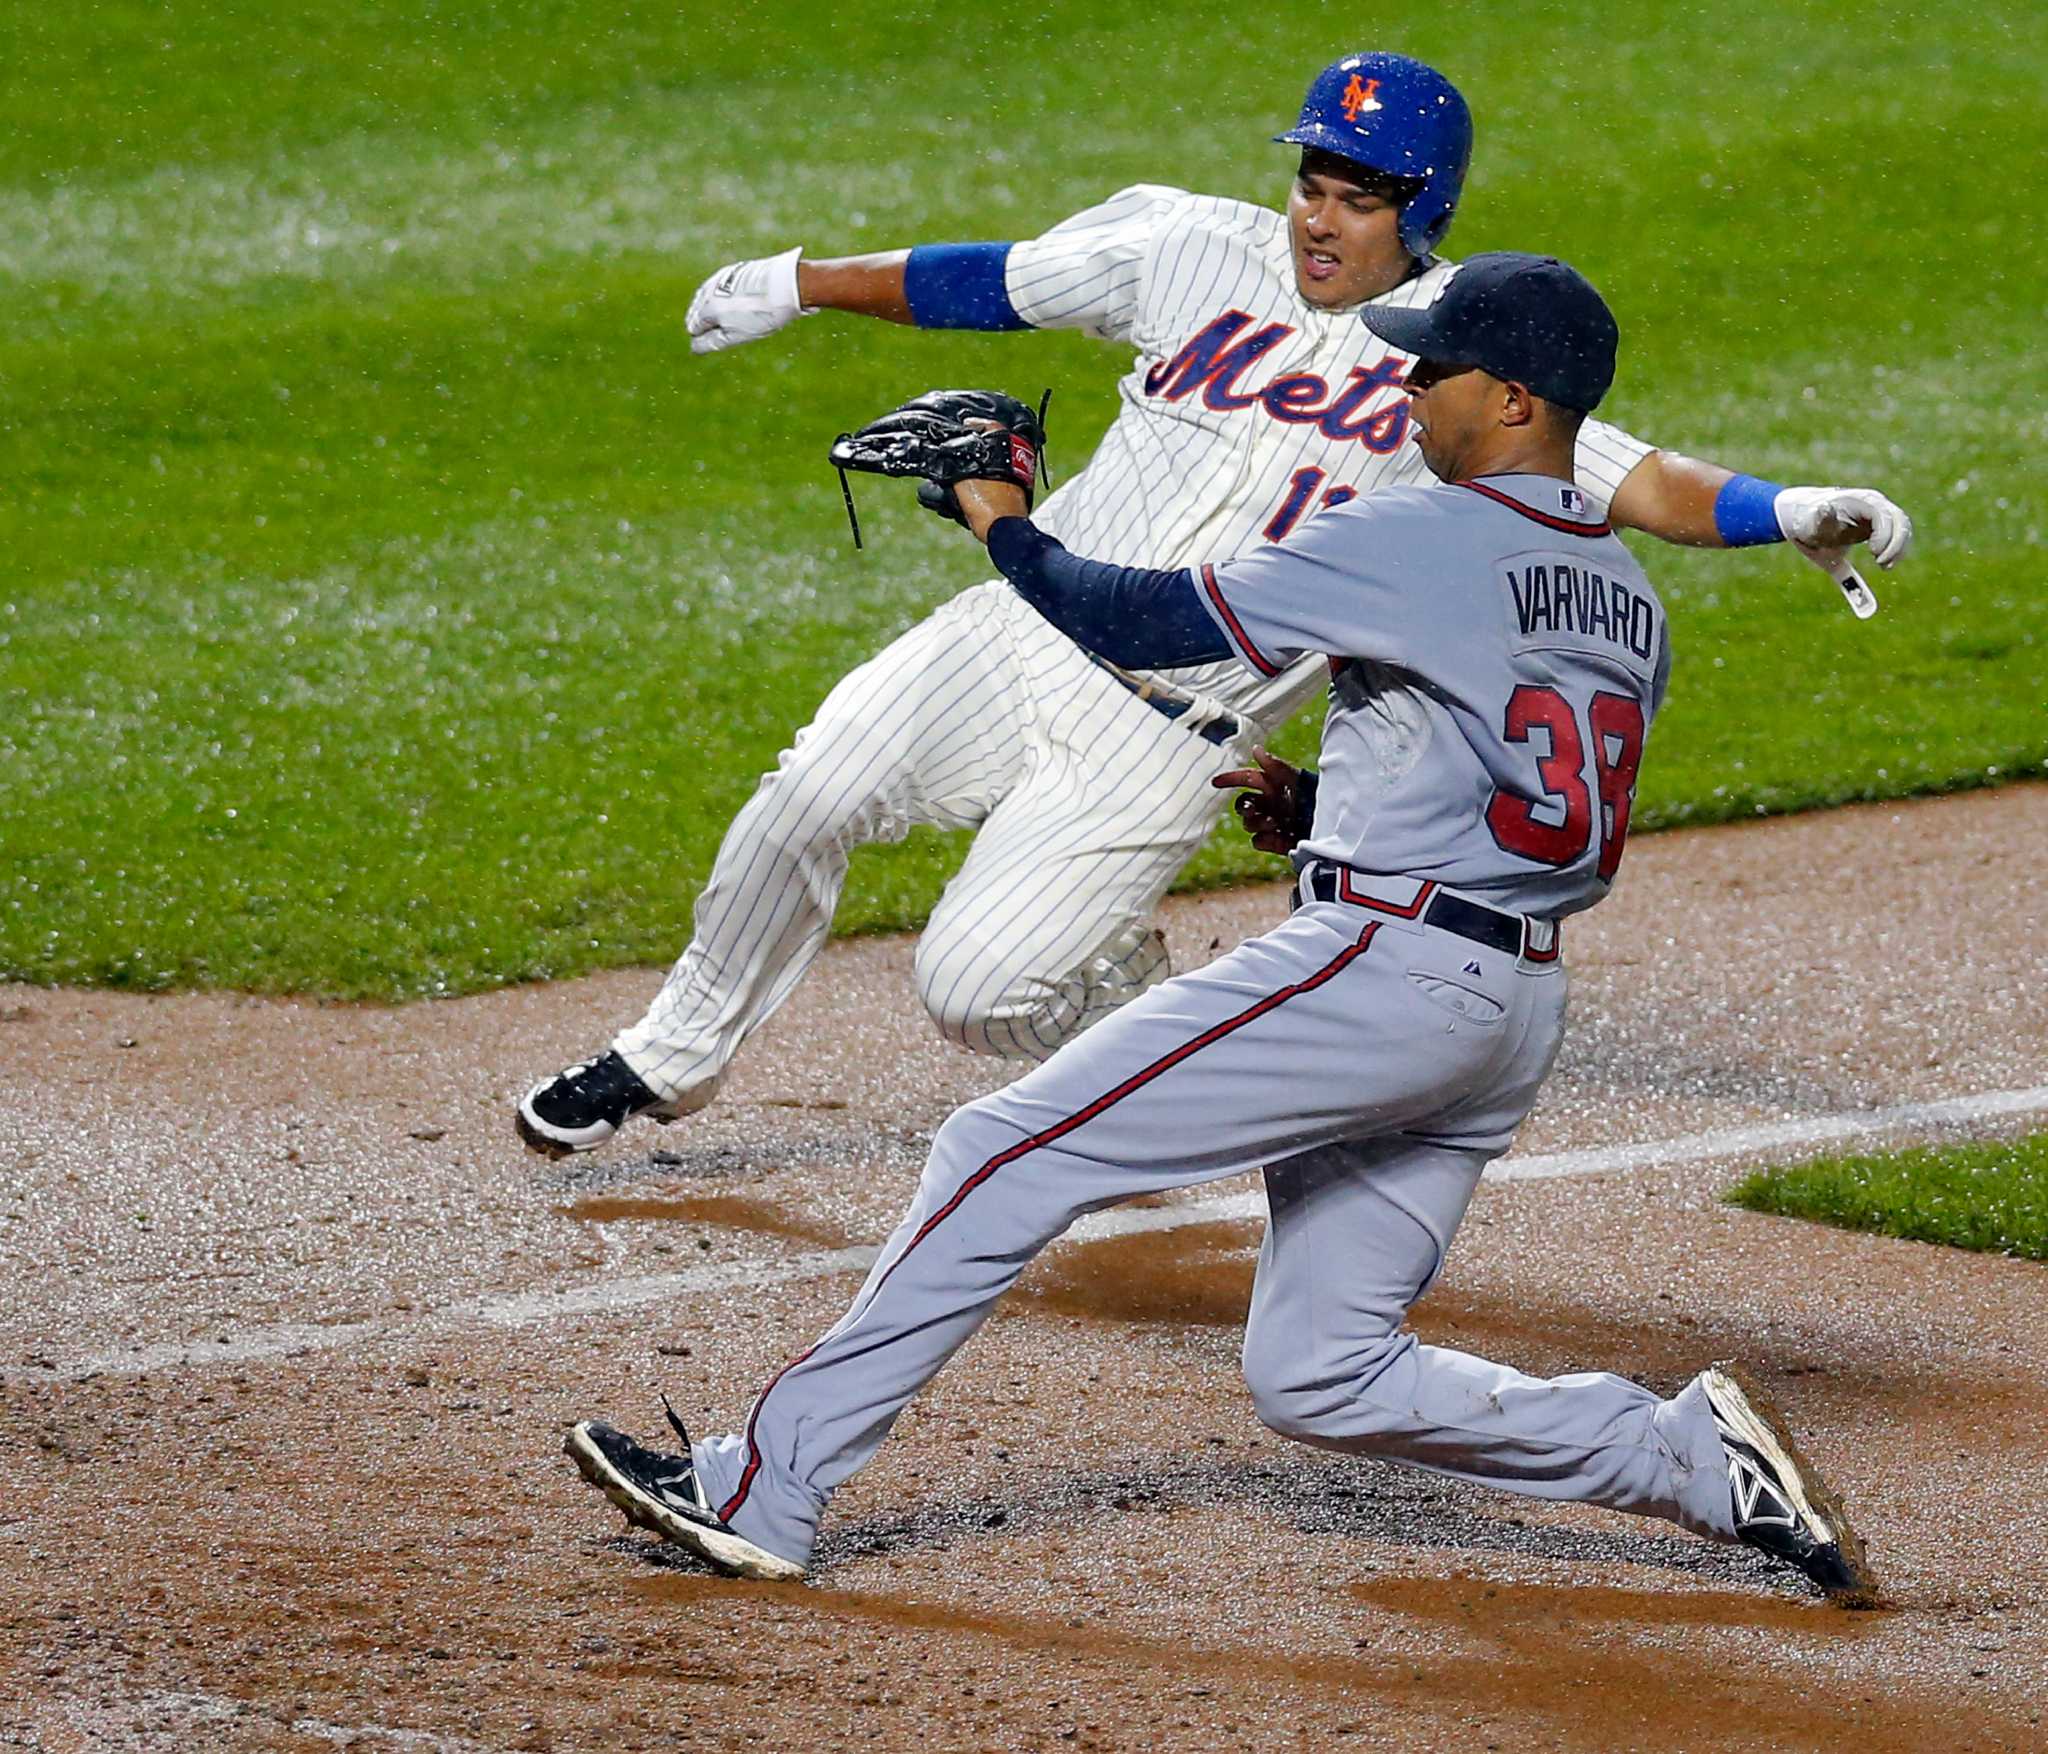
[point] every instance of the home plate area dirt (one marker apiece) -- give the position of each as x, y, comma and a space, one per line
294, 1330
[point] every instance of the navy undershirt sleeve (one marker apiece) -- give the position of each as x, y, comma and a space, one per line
1143, 619
960, 286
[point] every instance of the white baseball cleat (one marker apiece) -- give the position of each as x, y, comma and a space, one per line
1782, 1505
662, 1493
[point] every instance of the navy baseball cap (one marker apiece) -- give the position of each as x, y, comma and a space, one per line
1534, 319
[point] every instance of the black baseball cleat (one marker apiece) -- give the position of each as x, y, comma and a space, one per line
661, 1493
583, 1105
1782, 1505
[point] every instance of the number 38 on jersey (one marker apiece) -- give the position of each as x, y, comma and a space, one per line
1581, 798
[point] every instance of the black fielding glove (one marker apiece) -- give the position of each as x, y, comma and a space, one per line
930, 438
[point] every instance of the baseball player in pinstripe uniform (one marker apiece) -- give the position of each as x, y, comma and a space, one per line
1494, 659
1255, 401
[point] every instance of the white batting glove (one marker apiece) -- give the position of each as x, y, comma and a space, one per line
1823, 523
744, 301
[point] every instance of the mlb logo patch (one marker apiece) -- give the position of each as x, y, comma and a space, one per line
1572, 500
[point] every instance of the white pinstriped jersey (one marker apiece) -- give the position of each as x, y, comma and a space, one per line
1247, 408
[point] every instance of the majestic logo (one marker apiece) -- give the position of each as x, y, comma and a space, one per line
1360, 97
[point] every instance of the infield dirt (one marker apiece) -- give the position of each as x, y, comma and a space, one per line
296, 1327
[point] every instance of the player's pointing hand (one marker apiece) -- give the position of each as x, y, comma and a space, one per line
1275, 806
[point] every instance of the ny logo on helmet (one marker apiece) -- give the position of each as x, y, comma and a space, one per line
1359, 96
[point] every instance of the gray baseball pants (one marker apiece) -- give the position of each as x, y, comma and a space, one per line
1376, 1066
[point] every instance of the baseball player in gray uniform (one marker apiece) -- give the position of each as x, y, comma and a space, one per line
1494, 660
1255, 402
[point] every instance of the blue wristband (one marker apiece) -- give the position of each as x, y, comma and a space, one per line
1746, 513
959, 286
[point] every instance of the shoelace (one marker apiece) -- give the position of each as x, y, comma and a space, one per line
688, 1477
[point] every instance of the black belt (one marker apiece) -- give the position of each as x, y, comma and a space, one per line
1167, 704
1439, 908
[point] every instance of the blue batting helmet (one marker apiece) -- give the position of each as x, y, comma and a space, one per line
1400, 118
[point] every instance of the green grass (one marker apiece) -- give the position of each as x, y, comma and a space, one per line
1992, 1198
390, 604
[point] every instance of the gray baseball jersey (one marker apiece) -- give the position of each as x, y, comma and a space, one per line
1372, 1053
1525, 682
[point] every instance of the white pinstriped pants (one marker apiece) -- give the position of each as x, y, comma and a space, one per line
1087, 803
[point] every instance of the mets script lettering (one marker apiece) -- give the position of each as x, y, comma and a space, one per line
1216, 360
1561, 598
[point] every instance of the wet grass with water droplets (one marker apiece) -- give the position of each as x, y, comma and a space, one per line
1988, 1197
390, 604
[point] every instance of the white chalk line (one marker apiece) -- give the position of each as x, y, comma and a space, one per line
219, 1711
606, 1296
512, 1310
1783, 1135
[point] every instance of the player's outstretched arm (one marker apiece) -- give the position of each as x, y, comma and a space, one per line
1145, 618
1082, 274
749, 300
866, 286
1703, 505
935, 286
